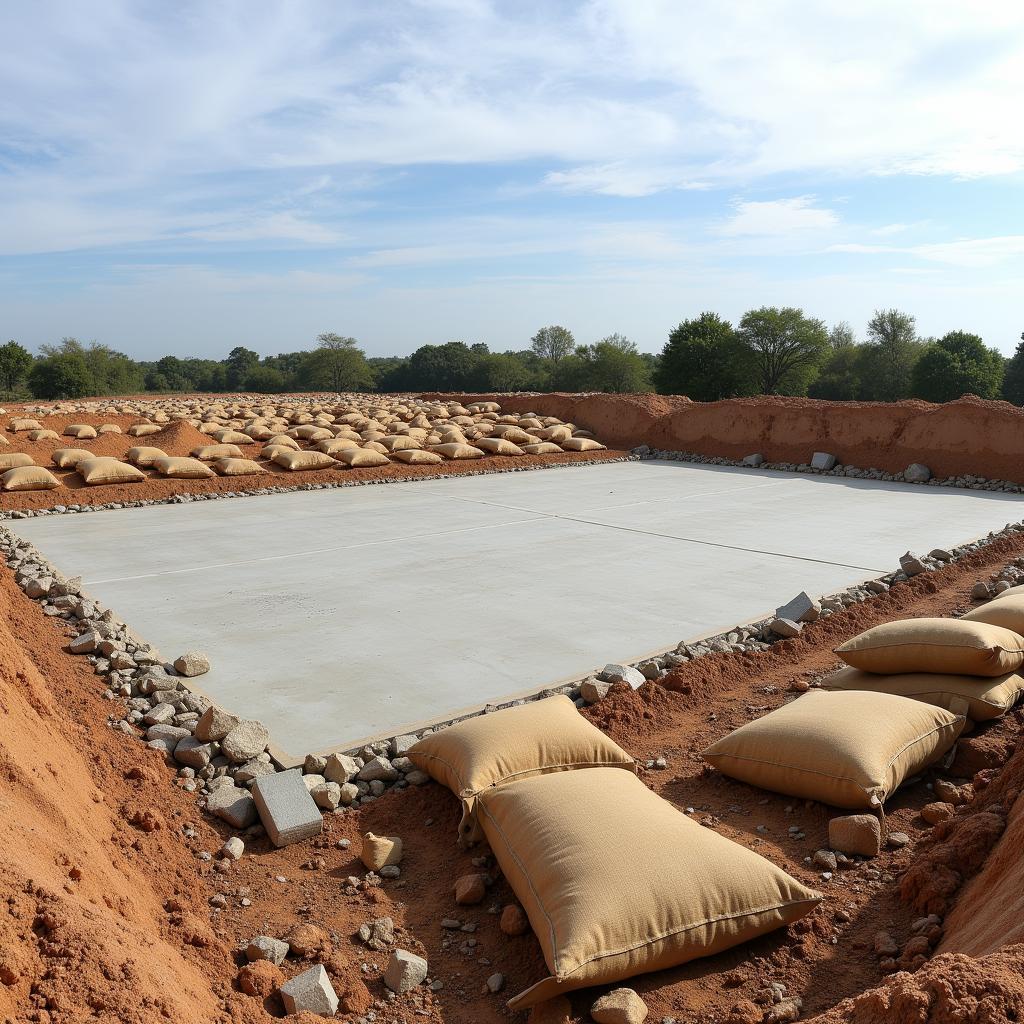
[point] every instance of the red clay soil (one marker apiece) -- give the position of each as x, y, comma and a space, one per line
181, 438
107, 904
968, 436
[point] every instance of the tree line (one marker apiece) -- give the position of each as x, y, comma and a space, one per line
771, 350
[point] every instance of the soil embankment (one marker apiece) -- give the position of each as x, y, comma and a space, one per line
968, 436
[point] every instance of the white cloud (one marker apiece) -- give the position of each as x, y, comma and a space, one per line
964, 252
621, 179
778, 217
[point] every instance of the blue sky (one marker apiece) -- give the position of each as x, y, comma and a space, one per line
189, 177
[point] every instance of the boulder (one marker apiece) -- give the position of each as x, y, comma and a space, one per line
233, 805
215, 724
856, 833
803, 608
245, 741
823, 460
917, 473
613, 673
192, 663
620, 1006
404, 971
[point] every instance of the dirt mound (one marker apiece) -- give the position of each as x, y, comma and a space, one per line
176, 439
969, 436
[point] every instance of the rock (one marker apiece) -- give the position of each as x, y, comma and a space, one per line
379, 851
310, 992
785, 1011
981, 591
84, 643
951, 794
314, 764
936, 812
191, 664
285, 807
897, 839
261, 978
233, 805
340, 768
307, 940
495, 983
378, 768
193, 753
254, 769
349, 792
214, 724
327, 796
470, 889
825, 859
264, 947
552, 1011
785, 627
753, 460
513, 920
917, 473
593, 689
613, 673
620, 1006
378, 934
911, 564
400, 745
823, 460
404, 971
233, 848
885, 944
803, 608
245, 741
856, 833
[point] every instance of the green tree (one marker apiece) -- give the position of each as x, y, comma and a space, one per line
553, 343
785, 348
238, 365
1013, 380
841, 336
612, 364
266, 380
15, 363
448, 367
705, 360
957, 364
503, 371
839, 379
891, 351
336, 364
60, 375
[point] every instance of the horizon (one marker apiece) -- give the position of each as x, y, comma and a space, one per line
191, 180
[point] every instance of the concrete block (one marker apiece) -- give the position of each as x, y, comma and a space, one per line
823, 460
311, 991
785, 627
285, 807
803, 608
856, 833
404, 971
917, 473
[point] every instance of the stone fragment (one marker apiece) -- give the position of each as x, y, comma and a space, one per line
378, 934
233, 805
981, 591
84, 643
310, 992
785, 1011
327, 796
245, 741
620, 1006
593, 689
254, 769
613, 673
314, 764
938, 811
917, 473
495, 983
379, 851
215, 724
400, 745
340, 768
754, 460
825, 859
265, 947
193, 753
856, 833
192, 663
897, 840
233, 848
285, 807
404, 971
513, 920
377, 769
823, 460
470, 889
912, 564
785, 627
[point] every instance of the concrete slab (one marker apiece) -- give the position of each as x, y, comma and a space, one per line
338, 615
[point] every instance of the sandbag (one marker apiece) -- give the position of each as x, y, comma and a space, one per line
541, 736
144, 457
399, 442
362, 458
335, 445
212, 452
617, 882
143, 429
542, 448
845, 748
979, 697
581, 444
237, 467
231, 437
296, 461
456, 450
12, 460
43, 435
416, 456
106, 470
497, 446
20, 423
108, 428
28, 478
1007, 612
182, 468
282, 441
935, 645
80, 430
68, 458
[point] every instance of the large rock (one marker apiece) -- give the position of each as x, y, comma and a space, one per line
285, 807
310, 992
917, 473
613, 673
755, 460
378, 768
912, 564
233, 805
265, 947
404, 971
620, 1006
856, 833
192, 663
340, 768
245, 741
593, 690
214, 724
823, 460
193, 753
785, 627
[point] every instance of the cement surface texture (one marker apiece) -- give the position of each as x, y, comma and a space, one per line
338, 615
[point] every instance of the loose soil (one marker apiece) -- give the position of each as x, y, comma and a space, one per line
107, 911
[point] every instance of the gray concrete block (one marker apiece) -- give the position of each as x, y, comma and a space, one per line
285, 807
311, 991
803, 608
823, 460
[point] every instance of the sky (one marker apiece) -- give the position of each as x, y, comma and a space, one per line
187, 177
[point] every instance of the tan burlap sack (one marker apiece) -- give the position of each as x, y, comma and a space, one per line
43, 435
935, 645
296, 461
845, 748
617, 882
457, 450
237, 467
80, 430
497, 446
335, 445
144, 457
68, 458
416, 457
1011, 592
542, 448
12, 460
978, 697
20, 423
1007, 612
107, 470
581, 444
362, 458
28, 478
143, 429
232, 437
212, 452
540, 736
182, 468
108, 428
282, 441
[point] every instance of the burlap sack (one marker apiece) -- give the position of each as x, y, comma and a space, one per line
80, 430
43, 435
182, 468
617, 882
107, 470
979, 697
935, 645
20, 423
542, 448
497, 446
416, 457
212, 452
296, 461
845, 748
68, 458
237, 467
540, 736
1007, 612
581, 444
28, 478
143, 429
144, 457
12, 460
335, 445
